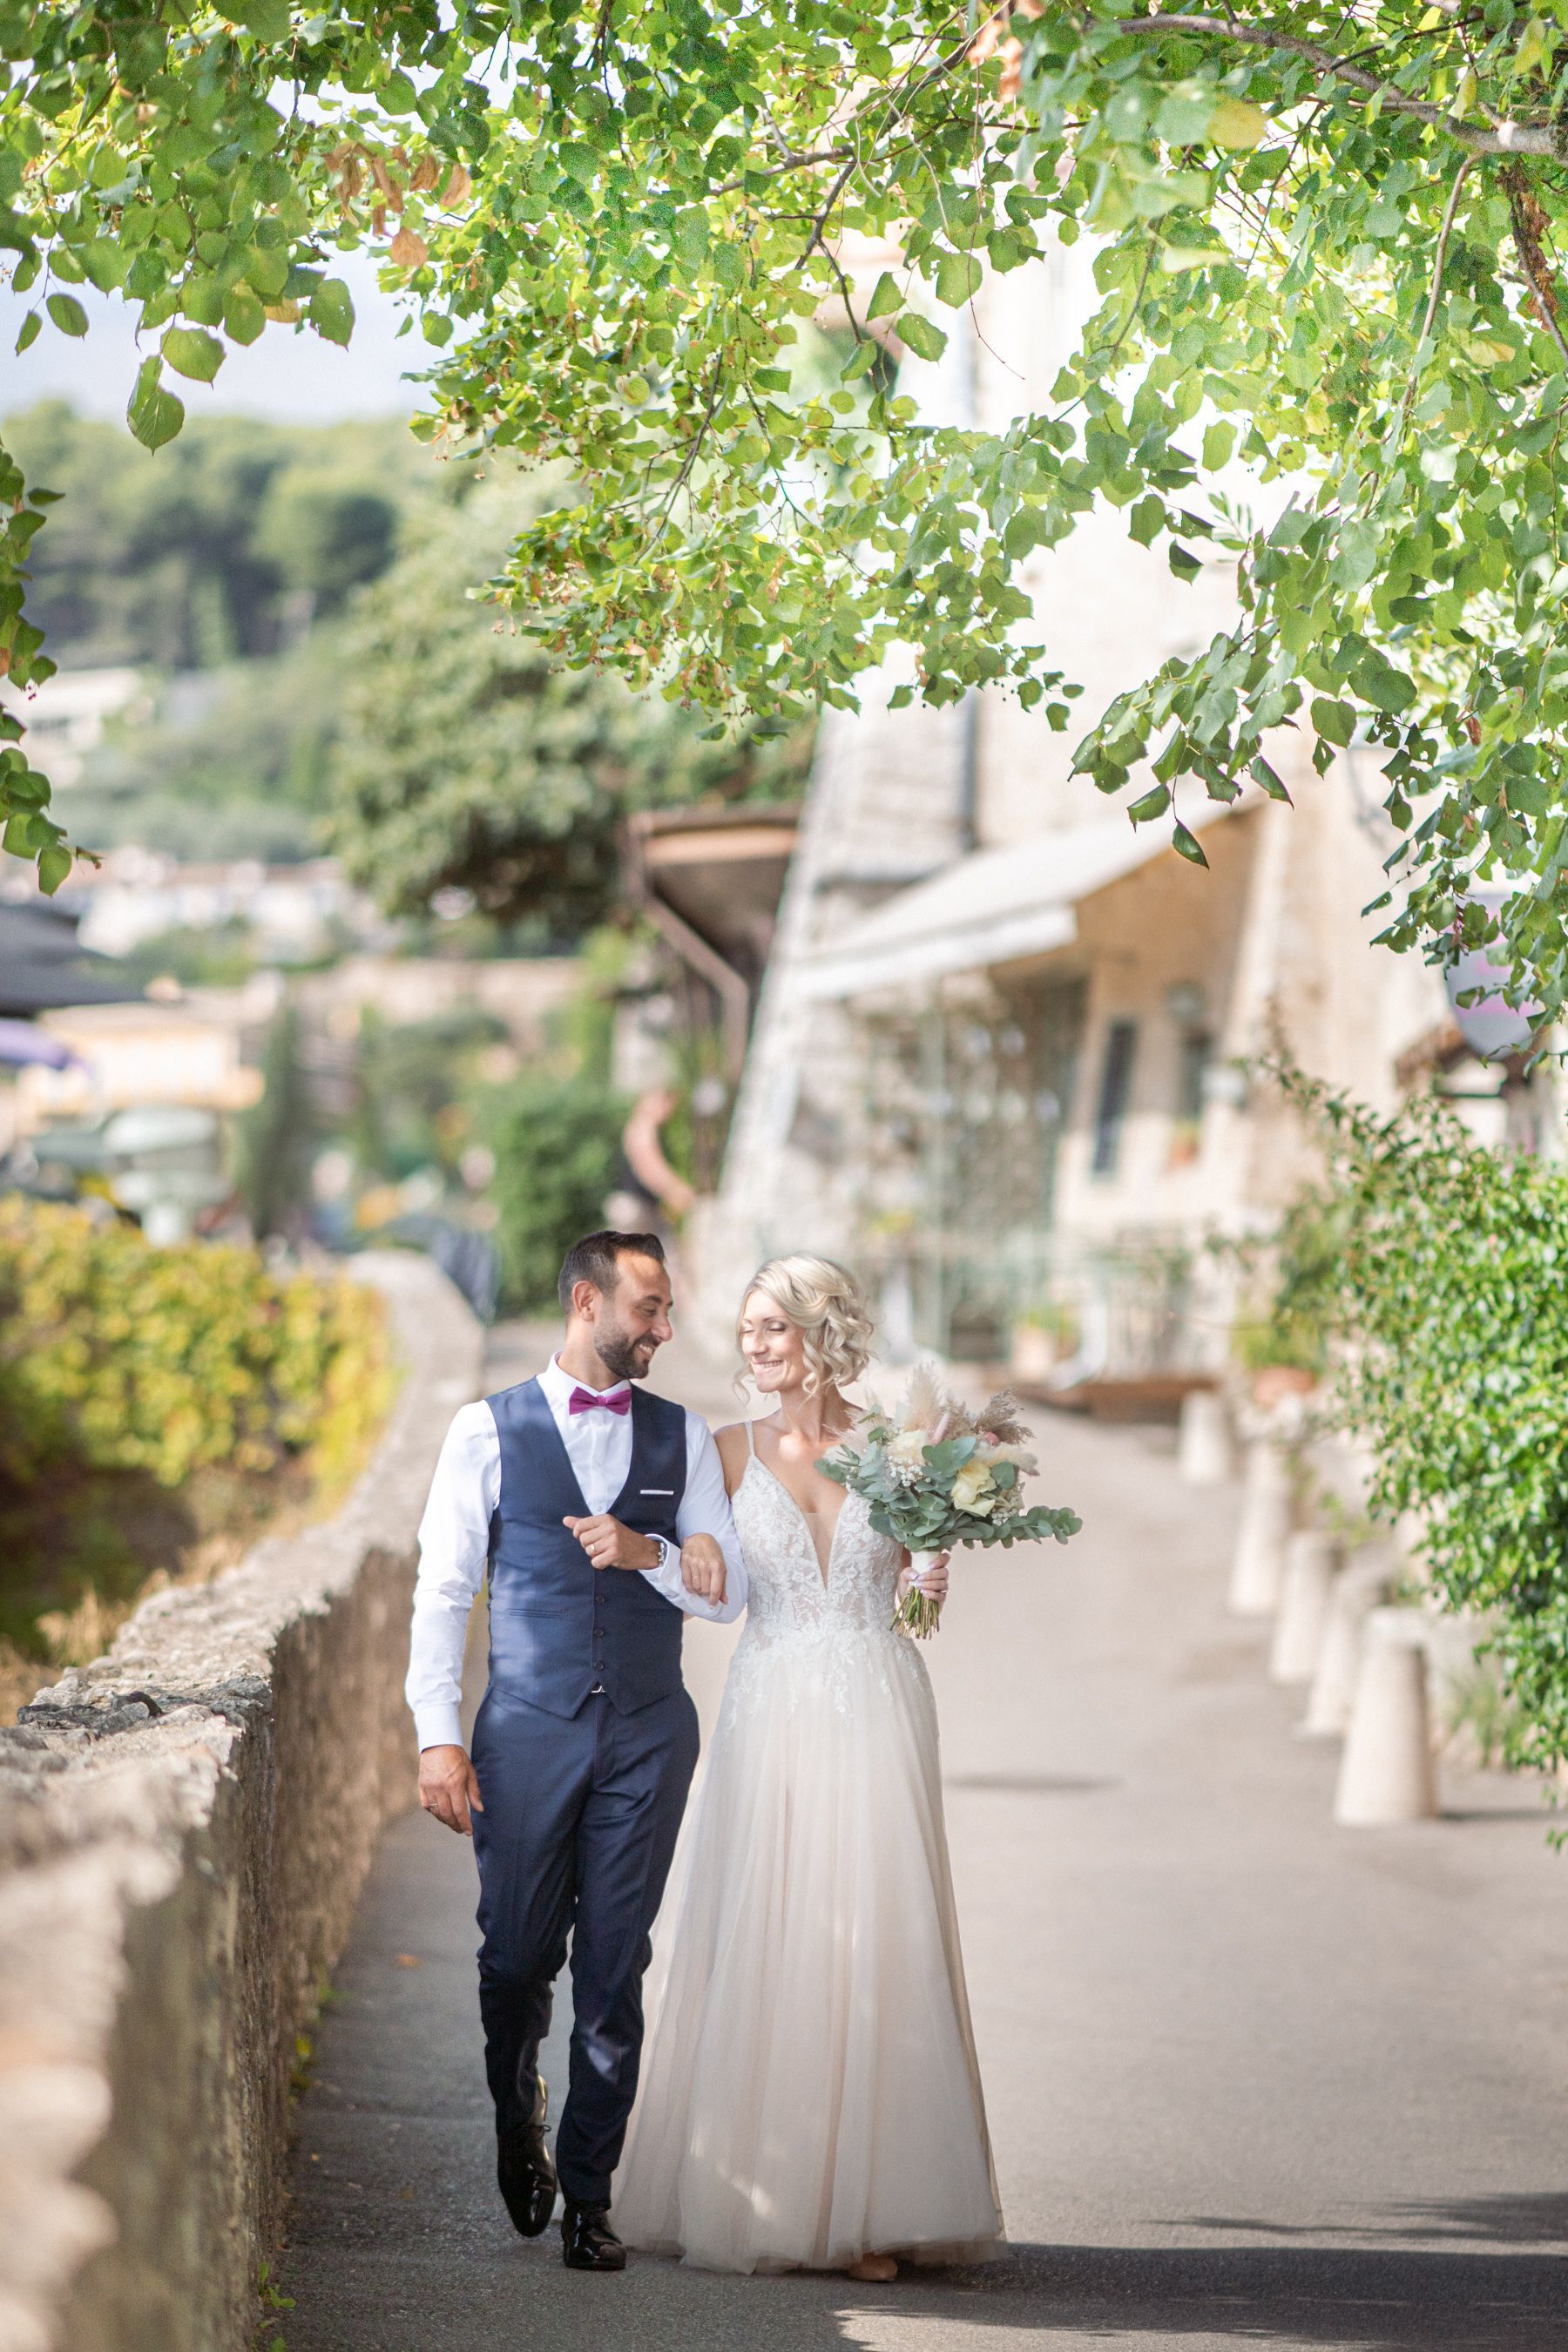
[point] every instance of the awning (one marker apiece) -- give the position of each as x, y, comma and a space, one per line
21, 1043
42, 967
997, 905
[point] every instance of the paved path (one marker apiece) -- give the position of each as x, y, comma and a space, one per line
1251, 2079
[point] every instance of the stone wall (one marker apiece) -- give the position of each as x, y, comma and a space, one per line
184, 1826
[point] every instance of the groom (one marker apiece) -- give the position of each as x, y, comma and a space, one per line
576, 1492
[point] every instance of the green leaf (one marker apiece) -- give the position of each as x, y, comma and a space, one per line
268, 19
1152, 804
958, 278
1357, 560
1177, 257
267, 270
191, 354
1264, 775
67, 313
688, 234
331, 311
29, 330
1236, 123
1186, 845
1147, 520
1335, 721
1030, 529
243, 316
1219, 440
920, 335
54, 862
1379, 683
1183, 116
886, 299
202, 300
1534, 49
155, 415
106, 262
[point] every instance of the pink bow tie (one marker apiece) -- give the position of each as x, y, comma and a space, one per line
584, 1401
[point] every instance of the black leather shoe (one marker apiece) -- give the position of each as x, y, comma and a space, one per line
525, 2173
587, 2241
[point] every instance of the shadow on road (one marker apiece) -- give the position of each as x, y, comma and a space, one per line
1407, 2301
1294, 2298
1504, 2221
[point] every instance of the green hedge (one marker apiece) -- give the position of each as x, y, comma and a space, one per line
120, 1356
158, 1409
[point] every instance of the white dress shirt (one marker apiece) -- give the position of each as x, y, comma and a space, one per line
455, 1535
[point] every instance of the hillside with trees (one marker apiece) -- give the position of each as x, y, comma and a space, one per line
320, 673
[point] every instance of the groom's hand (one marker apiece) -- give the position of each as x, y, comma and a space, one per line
449, 1787
608, 1544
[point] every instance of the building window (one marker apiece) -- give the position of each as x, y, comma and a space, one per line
1195, 1052
1115, 1085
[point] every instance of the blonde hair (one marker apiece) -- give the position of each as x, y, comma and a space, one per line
827, 1308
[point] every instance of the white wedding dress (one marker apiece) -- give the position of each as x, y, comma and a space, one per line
809, 2088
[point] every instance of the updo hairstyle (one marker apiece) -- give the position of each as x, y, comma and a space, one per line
827, 1308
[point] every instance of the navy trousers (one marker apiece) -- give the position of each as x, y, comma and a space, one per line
578, 1825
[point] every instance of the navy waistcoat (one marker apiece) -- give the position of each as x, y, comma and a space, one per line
558, 1624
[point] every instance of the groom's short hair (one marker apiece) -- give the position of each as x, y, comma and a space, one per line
592, 1259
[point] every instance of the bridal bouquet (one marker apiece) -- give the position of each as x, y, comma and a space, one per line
937, 1476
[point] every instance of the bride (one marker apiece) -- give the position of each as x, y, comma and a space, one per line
810, 2096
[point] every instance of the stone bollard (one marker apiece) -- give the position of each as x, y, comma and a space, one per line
1265, 1523
1357, 1590
1386, 1773
1206, 1457
1310, 1560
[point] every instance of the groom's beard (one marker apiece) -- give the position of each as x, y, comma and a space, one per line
624, 1356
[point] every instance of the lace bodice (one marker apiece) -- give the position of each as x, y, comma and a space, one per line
789, 1594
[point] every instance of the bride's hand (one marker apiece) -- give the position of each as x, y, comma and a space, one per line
702, 1568
933, 1583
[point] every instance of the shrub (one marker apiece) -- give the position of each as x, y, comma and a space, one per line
1289, 1318
1448, 1293
117, 1356
557, 1143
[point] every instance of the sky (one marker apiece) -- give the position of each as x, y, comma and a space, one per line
293, 378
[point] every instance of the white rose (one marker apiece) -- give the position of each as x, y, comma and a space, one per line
974, 1490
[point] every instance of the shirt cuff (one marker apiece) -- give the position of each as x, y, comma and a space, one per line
440, 1724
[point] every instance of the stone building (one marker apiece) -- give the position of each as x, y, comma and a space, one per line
998, 1060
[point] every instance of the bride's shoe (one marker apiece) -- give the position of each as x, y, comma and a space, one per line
875, 2269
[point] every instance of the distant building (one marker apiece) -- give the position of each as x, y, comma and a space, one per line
132, 1056
66, 717
291, 913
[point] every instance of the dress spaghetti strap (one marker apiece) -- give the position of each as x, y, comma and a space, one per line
751, 1441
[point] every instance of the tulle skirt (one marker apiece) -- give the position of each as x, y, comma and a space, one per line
809, 2088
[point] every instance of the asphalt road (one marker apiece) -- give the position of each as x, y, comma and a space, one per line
1251, 2079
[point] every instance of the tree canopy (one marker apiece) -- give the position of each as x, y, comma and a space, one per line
465, 760
1325, 244
220, 551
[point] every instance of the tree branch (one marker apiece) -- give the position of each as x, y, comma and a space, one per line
1529, 220
1437, 261
1544, 138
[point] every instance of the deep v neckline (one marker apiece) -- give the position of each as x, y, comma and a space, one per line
824, 1567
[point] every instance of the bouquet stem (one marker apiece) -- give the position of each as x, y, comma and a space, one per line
917, 1613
